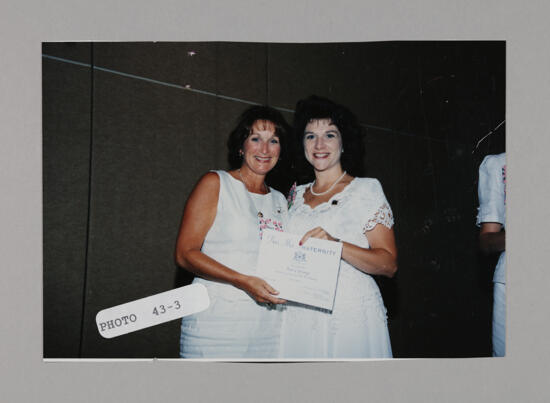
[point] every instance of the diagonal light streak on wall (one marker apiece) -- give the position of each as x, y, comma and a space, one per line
150, 80
209, 93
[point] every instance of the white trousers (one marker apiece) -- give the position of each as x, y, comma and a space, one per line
499, 319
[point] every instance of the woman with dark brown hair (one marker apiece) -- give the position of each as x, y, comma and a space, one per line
219, 240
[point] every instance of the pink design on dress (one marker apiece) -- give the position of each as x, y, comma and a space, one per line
504, 181
291, 195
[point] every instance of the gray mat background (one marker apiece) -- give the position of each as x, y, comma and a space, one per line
121, 155
521, 376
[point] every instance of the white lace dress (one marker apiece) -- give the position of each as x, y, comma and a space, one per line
357, 325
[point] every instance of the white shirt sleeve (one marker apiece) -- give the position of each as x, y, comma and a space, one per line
491, 190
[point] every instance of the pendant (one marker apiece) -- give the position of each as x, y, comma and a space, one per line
260, 214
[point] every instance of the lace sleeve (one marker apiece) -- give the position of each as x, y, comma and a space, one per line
378, 210
383, 216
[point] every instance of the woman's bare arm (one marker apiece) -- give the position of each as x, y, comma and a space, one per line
198, 217
380, 259
491, 237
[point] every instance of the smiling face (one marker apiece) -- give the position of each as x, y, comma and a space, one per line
262, 148
322, 145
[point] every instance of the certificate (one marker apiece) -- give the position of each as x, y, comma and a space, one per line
306, 274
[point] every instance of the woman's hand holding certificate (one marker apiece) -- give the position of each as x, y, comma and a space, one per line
304, 273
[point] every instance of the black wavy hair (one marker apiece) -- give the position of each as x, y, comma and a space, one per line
318, 108
279, 176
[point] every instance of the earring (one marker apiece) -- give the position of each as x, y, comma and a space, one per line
342, 150
241, 153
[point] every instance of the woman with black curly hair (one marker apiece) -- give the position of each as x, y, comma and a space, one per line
339, 206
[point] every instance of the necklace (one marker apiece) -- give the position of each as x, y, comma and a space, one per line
260, 214
246, 185
329, 189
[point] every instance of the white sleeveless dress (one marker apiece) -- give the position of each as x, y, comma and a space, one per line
235, 325
357, 325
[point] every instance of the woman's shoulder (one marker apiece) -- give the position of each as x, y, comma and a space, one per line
367, 184
276, 193
366, 191
219, 175
211, 177
493, 161
209, 182
205, 191
301, 189
373, 202
298, 189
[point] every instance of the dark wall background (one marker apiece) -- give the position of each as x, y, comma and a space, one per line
130, 127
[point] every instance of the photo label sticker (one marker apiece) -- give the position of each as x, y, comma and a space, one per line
152, 310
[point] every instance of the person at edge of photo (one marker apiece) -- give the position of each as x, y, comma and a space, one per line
340, 206
492, 221
219, 239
